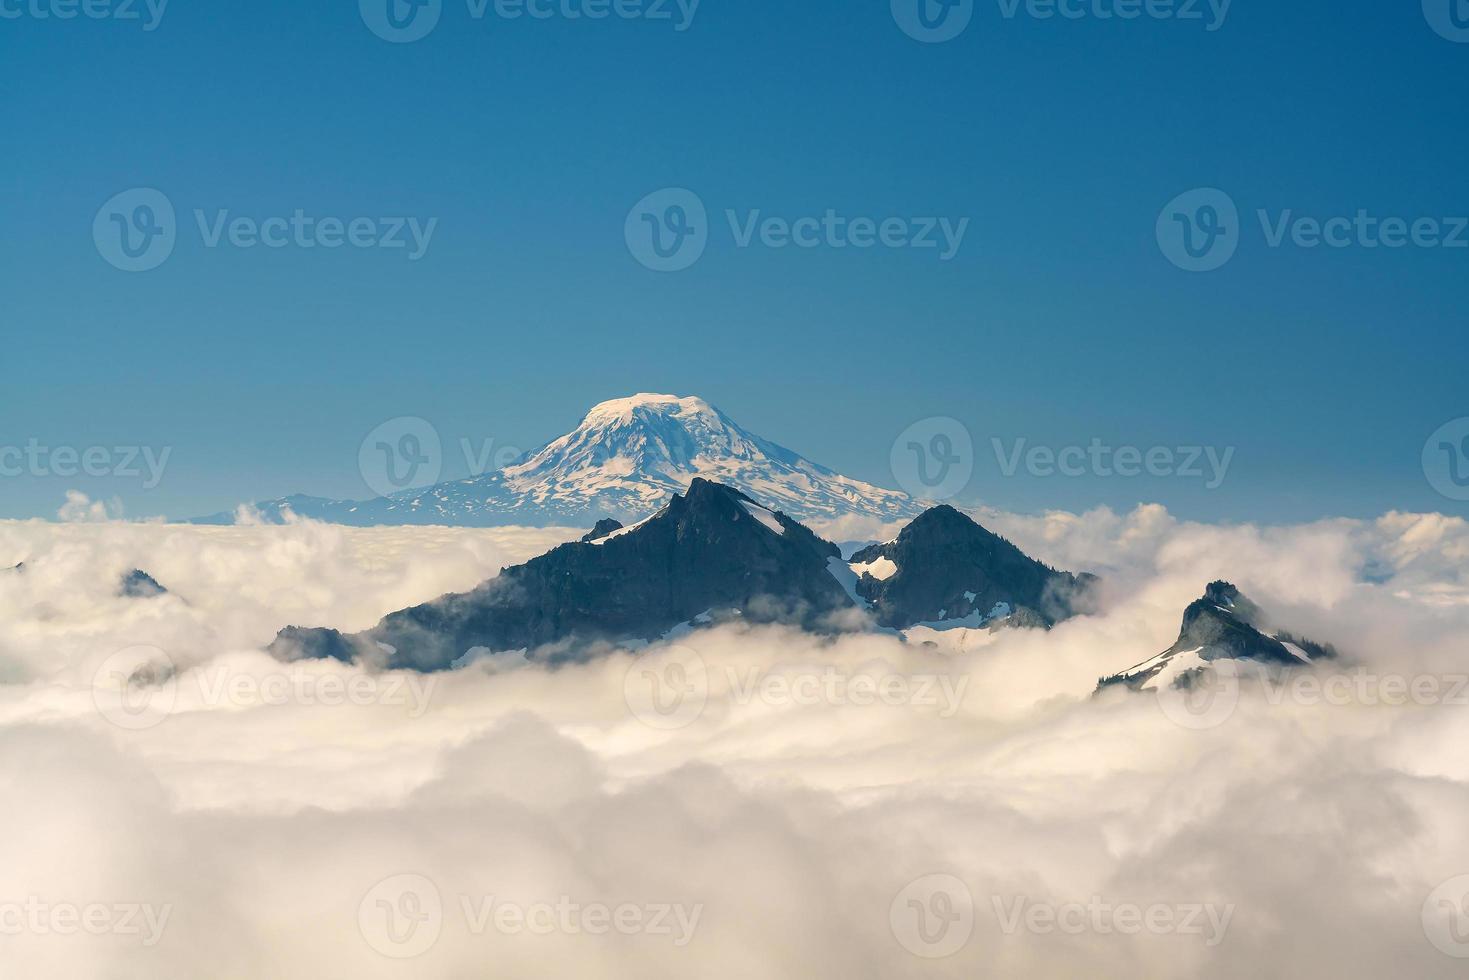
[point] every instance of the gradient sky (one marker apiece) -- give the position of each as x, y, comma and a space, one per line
1059, 321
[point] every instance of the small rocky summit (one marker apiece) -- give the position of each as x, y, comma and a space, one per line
138, 584
1222, 625
604, 527
946, 570
711, 554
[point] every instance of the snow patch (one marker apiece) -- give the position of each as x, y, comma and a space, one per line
763, 516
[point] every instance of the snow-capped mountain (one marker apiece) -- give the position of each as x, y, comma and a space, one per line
625, 460
1222, 625
709, 555
946, 571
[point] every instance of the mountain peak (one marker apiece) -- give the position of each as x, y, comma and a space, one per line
623, 409
626, 459
711, 554
946, 567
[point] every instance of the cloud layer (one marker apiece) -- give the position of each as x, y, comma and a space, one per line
739, 803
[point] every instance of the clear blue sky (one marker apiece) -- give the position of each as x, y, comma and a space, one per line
1059, 321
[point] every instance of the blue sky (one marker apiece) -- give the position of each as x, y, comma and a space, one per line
1060, 320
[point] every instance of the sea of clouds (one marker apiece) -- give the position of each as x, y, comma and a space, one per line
732, 803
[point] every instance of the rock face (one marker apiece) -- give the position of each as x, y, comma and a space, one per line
604, 527
1222, 625
709, 554
625, 460
138, 584
946, 568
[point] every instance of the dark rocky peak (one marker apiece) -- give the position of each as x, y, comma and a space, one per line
138, 584
946, 567
1224, 624
711, 554
604, 527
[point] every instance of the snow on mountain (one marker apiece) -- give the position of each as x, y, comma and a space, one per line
625, 460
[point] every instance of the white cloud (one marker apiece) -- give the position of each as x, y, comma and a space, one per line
264, 821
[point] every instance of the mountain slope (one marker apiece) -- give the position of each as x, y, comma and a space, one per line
945, 568
1222, 625
624, 461
709, 554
